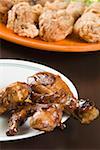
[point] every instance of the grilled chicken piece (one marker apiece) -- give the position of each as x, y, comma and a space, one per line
19, 117
13, 96
50, 88
44, 98
88, 25
47, 83
50, 116
47, 119
86, 111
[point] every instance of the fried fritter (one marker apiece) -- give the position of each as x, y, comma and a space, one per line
22, 18
57, 20
55, 25
88, 25
5, 5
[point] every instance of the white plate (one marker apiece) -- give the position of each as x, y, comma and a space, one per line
17, 70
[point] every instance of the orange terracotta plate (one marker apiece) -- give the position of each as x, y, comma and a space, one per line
70, 44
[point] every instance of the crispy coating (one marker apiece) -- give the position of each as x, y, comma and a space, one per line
94, 7
56, 5
55, 25
42, 2
18, 1
57, 20
76, 9
3, 18
22, 18
5, 5
88, 25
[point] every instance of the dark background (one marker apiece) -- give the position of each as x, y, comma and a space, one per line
83, 69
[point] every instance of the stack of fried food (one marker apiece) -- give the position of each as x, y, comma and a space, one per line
52, 20
44, 98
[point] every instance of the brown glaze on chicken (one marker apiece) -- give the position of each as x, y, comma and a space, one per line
13, 96
46, 119
45, 97
50, 88
86, 112
19, 117
47, 83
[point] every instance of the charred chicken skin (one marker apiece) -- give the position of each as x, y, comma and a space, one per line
44, 98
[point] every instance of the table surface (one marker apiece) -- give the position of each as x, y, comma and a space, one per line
83, 69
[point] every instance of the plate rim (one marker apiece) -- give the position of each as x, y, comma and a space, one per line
46, 46
42, 67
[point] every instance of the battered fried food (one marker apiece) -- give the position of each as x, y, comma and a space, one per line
56, 5
18, 1
42, 2
22, 18
55, 25
57, 20
5, 5
88, 25
76, 9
